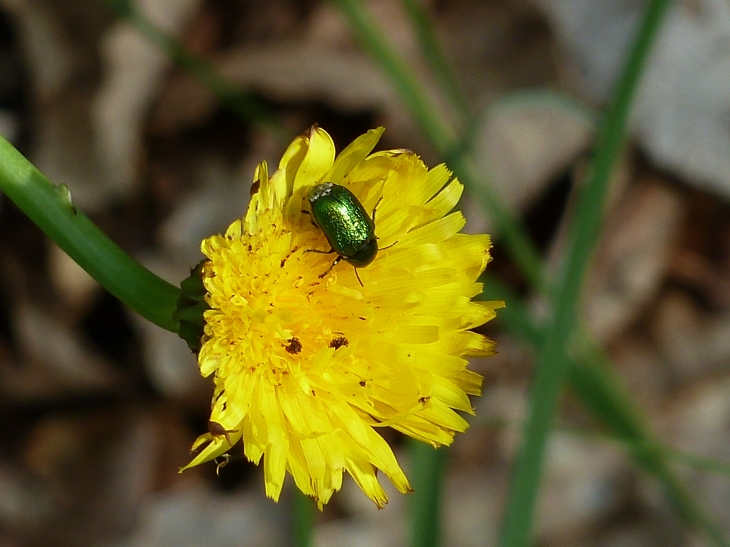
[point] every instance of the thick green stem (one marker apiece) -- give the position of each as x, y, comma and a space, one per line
51, 208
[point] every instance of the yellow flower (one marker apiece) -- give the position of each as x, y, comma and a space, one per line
306, 366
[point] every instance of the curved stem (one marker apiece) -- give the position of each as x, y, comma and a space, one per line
52, 209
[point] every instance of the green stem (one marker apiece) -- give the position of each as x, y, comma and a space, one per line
691, 460
427, 467
434, 54
551, 367
303, 519
51, 208
244, 104
442, 137
398, 71
603, 393
601, 390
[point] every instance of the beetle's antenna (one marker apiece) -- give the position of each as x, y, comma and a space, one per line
376, 208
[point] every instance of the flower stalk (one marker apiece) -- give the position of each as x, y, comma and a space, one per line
52, 209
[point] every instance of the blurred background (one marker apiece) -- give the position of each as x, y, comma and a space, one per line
98, 409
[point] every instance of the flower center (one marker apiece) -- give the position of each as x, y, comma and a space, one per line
278, 315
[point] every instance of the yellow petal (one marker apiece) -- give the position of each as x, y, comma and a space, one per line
318, 160
353, 155
310, 359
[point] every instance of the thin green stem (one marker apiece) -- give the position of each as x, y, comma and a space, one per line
398, 71
552, 362
244, 104
442, 137
427, 469
688, 459
695, 461
601, 390
51, 208
434, 55
302, 519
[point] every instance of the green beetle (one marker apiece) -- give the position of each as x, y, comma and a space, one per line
347, 226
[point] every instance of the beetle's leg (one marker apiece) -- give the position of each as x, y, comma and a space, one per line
319, 252
358, 278
337, 260
311, 220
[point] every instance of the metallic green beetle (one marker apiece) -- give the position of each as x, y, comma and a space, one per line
347, 226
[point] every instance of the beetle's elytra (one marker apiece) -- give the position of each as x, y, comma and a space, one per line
347, 226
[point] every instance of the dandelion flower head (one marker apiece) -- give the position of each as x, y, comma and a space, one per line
307, 367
